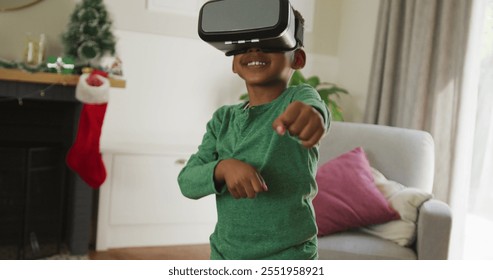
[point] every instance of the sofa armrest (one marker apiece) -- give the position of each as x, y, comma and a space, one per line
433, 230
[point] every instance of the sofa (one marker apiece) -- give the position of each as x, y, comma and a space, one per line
405, 156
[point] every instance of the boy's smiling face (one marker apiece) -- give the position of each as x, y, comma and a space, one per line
264, 69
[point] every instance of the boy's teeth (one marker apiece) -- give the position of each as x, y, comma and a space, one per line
256, 63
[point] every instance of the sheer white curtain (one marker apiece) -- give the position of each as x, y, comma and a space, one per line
481, 197
466, 128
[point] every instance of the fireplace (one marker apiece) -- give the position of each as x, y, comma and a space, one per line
31, 200
49, 206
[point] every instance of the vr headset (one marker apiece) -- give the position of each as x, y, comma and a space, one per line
234, 26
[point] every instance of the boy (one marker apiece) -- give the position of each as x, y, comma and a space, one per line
259, 159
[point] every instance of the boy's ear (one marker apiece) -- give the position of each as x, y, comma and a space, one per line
233, 67
299, 60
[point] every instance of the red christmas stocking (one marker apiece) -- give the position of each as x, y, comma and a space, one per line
84, 157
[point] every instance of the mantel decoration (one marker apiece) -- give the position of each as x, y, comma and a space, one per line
327, 92
84, 157
35, 51
87, 42
8, 64
89, 36
60, 65
88, 39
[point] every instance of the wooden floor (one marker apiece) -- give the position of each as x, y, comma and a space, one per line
188, 252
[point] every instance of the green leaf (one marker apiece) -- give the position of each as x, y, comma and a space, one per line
297, 79
335, 111
341, 90
313, 81
332, 90
325, 96
244, 97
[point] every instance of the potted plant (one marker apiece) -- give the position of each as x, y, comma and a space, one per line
329, 92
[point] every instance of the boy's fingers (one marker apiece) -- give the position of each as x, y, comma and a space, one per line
314, 139
280, 129
315, 125
249, 190
287, 118
240, 190
264, 185
278, 126
259, 184
300, 123
234, 193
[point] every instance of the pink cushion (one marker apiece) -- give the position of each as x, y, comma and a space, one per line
347, 195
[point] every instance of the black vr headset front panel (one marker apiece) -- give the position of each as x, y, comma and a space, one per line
234, 26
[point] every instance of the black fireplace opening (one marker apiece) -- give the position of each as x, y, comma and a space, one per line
45, 208
31, 200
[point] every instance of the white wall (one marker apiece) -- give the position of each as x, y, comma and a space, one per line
49, 17
356, 43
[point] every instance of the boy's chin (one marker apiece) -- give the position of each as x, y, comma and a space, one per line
256, 80
266, 83
263, 80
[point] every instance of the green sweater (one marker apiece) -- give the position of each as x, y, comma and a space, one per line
279, 223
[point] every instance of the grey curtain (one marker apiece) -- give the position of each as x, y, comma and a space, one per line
422, 78
417, 71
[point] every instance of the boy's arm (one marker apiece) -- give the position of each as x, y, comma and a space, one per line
241, 179
196, 179
306, 117
206, 174
309, 96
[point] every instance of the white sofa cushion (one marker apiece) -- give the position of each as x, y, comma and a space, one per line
404, 200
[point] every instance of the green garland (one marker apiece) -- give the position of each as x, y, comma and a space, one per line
40, 68
8, 64
33, 69
22, 66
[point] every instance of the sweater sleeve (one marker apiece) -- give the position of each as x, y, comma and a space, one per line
196, 179
309, 96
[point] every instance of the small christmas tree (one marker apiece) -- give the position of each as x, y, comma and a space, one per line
89, 34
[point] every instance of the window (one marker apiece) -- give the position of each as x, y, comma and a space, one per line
479, 227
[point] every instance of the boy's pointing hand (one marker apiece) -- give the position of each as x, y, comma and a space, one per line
303, 121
